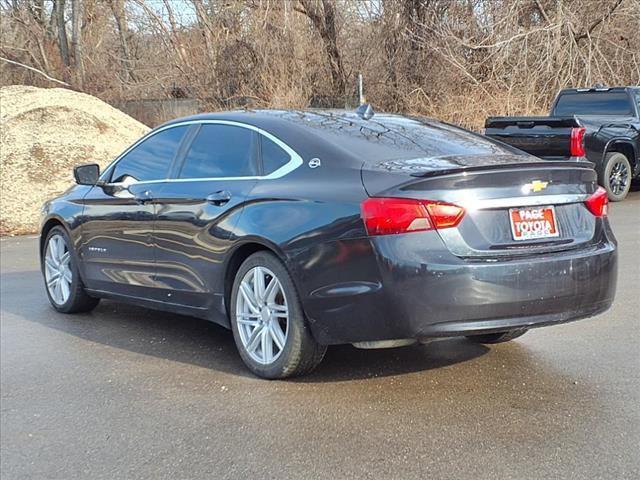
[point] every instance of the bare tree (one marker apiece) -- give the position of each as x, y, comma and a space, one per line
120, 15
459, 60
61, 27
205, 27
76, 41
322, 14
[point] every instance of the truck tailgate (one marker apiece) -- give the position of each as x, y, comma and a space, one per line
548, 137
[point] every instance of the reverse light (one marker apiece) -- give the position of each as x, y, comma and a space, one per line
387, 216
598, 203
577, 142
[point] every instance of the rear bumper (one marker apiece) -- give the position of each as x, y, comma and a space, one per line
473, 327
418, 289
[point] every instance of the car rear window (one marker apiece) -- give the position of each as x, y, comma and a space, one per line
220, 151
392, 137
593, 103
273, 157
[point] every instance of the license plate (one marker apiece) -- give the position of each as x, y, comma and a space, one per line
530, 223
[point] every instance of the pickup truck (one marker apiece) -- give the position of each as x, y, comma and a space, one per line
601, 124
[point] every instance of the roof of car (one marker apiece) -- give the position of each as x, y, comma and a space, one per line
597, 89
259, 117
342, 134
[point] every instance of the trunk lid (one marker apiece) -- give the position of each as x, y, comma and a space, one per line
488, 187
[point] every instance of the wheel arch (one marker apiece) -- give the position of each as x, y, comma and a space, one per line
239, 254
623, 146
46, 228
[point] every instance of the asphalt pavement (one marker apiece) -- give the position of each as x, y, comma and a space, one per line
125, 392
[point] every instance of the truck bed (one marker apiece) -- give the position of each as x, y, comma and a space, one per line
545, 137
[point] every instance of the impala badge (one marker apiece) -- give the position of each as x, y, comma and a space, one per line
535, 186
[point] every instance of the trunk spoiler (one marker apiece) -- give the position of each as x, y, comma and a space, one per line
535, 164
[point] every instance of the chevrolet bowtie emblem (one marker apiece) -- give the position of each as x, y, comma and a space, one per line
535, 186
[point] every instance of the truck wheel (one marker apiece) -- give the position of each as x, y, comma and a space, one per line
499, 337
615, 176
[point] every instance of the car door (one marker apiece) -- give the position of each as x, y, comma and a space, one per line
117, 244
197, 211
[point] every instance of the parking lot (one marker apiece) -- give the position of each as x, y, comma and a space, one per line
128, 393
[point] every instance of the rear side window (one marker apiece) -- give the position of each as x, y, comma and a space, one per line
151, 159
273, 156
593, 103
220, 151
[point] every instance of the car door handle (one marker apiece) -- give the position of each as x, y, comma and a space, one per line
143, 197
219, 198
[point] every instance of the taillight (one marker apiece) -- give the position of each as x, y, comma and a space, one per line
444, 215
577, 142
598, 203
386, 216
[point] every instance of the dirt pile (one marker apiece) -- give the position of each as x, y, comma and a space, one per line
44, 133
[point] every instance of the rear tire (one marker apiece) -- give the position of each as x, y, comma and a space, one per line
500, 337
615, 176
62, 280
268, 323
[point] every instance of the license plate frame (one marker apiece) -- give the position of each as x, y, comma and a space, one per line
533, 223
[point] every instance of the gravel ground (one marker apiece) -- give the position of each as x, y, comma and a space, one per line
44, 133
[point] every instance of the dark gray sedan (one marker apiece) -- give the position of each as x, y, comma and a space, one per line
299, 230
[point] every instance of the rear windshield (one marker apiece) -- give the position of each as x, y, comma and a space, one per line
593, 103
391, 137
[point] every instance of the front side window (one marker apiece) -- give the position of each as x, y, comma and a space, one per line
273, 156
220, 151
151, 159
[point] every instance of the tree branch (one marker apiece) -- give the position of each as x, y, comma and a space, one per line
542, 11
35, 70
606, 16
508, 40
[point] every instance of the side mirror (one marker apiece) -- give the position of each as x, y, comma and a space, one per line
87, 174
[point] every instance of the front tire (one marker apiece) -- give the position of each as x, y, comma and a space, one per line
500, 337
615, 176
268, 323
62, 280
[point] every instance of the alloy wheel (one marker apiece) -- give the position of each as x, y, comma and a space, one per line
619, 177
262, 315
57, 269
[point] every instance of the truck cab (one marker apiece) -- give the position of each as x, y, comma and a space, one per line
601, 124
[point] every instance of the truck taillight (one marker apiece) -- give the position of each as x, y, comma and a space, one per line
598, 203
386, 216
577, 142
